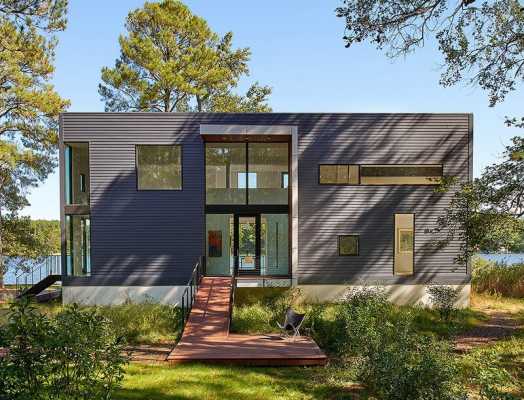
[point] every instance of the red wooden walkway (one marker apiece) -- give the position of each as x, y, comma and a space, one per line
206, 337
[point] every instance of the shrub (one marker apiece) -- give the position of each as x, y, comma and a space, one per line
493, 278
72, 355
395, 362
443, 299
408, 366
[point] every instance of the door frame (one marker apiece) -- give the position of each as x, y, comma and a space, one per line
236, 244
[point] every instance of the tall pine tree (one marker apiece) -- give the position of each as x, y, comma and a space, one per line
172, 61
29, 105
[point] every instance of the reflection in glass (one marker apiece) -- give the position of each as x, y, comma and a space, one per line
401, 174
159, 167
268, 161
274, 248
348, 245
224, 164
219, 244
404, 244
78, 245
247, 244
76, 162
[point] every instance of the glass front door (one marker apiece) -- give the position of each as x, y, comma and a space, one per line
239, 244
247, 246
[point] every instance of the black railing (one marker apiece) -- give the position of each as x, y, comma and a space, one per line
232, 302
189, 294
49, 265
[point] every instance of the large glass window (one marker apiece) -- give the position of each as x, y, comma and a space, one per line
404, 244
219, 244
268, 161
78, 245
226, 173
400, 174
76, 165
159, 167
274, 244
233, 169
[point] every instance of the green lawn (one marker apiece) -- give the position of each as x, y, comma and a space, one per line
228, 382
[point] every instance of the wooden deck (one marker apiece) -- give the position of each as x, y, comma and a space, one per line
206, 337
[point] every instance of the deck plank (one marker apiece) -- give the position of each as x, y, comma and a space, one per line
206, 337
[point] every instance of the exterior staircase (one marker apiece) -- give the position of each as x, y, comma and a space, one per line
39, 279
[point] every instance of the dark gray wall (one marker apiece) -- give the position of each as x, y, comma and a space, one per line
155, 237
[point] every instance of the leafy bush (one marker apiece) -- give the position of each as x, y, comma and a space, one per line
72, 355
395, 362
493, 278
443, 299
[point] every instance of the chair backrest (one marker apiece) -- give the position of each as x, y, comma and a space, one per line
293, 320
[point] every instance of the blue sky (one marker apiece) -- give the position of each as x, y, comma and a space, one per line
297, 49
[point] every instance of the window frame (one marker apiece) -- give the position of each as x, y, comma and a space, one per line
137, 145
339, 237
339, 184
68, 270
401, 275
441, 165
68, 173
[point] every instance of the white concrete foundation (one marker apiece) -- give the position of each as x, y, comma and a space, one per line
398, 294
111, 295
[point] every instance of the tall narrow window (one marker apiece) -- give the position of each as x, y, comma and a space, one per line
404, 244
78, 245
76, 163
159, 167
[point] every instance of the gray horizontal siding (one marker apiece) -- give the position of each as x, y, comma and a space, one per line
154, 238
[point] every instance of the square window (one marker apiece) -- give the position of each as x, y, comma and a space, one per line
159, 167
348, 245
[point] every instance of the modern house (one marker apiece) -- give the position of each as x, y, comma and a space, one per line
319, 201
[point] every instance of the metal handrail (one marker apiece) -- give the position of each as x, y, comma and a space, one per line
50, 265
189, 294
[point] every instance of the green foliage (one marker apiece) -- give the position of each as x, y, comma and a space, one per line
72, 355
395, 361
172, 61
486, 213
29, 105
481, 43
443, 299
498, 279
490, 371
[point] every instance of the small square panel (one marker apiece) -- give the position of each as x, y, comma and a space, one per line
348, 245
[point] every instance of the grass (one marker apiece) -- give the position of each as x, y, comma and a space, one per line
253, 315
197, 381
492, 278
145, 323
